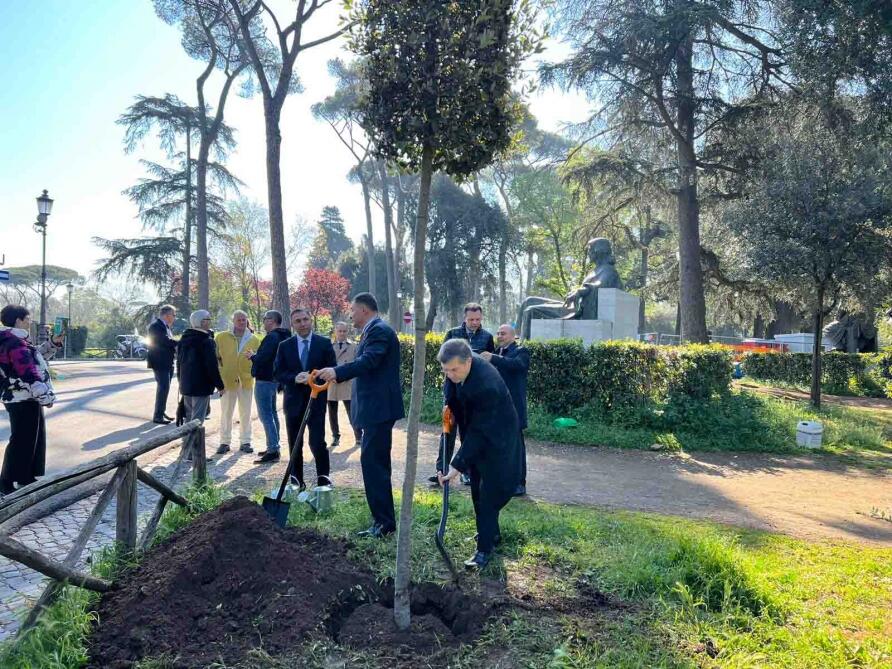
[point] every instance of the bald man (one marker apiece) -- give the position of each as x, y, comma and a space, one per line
513, 363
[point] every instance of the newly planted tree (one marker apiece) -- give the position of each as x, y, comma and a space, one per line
438, 97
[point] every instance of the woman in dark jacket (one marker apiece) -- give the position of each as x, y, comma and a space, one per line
197, 368
25, 389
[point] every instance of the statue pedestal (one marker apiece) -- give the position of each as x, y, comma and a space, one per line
621, 309
617, 319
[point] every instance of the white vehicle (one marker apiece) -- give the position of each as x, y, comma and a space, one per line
131, 347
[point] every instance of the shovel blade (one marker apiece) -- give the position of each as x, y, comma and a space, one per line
277, 510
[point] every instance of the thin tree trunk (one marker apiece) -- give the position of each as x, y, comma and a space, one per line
390, 262
817, 351
503, 280
201, 225
645, 240
693, 301
432, 311
642, 301
401, 597
529, 287
369, 240
276, 217
185, 285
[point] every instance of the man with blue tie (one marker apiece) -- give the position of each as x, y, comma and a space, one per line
296, 358
376, 404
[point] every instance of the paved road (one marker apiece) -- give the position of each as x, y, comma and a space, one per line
102, 406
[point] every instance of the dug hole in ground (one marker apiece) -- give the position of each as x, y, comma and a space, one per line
232, 581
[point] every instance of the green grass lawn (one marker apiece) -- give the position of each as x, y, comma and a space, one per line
741, 421
679, 594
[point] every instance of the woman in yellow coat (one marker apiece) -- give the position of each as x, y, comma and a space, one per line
234, 348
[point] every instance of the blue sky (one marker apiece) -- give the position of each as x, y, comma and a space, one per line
69, 70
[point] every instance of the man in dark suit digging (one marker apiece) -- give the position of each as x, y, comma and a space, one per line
376, 404
490, 449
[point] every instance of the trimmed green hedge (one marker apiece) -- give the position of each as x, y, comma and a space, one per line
841, 373
616, 377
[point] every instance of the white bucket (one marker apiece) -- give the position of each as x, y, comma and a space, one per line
809, 434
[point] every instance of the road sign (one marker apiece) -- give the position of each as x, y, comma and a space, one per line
4, 275
407, 317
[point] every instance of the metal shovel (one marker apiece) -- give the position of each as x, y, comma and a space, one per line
274, 506
448, 426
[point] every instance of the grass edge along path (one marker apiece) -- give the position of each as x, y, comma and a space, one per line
679, 593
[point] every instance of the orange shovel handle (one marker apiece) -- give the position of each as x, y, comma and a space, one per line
316, 388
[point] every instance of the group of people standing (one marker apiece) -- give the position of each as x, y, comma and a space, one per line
246, 369
485, 389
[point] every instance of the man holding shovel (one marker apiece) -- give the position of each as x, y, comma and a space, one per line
296, 357
490, 450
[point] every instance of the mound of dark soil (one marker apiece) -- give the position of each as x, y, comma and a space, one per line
232, 581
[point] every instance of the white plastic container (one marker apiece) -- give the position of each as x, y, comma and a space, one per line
809, 434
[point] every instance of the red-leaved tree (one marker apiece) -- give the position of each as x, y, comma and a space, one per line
322, 292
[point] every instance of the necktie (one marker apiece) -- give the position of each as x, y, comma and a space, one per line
304, 352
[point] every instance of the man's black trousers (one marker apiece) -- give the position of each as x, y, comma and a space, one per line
316, 427
333, 419
377, 440
162, 390
487, 506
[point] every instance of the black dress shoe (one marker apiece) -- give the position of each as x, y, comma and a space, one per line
246, 448
324, 480
335, 441
297, 483
376, 532
465, 479
520, 491
162, 421
267, 456
478, 561
166, 417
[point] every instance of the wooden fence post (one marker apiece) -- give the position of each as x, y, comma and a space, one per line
199, 457
125, 529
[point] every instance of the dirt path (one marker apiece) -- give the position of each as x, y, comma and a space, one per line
810, 497
879, 403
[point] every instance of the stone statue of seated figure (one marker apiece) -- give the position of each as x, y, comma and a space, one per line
582, 303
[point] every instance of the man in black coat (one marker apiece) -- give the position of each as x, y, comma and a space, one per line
513, 362
376, 404
490, 449
197, 368
480, 341
162, 349
297, 356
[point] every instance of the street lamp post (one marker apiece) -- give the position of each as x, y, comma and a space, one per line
70, 287
44, 208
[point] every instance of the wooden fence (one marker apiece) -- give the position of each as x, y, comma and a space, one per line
123, 484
